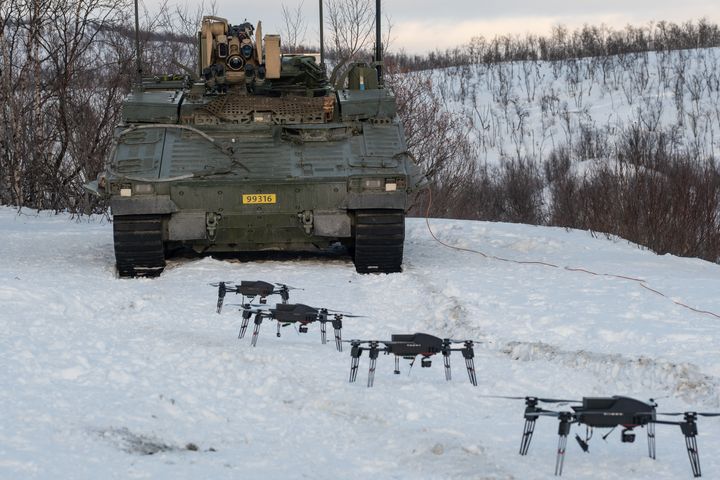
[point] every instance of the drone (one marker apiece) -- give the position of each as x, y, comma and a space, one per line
609, 412
287, 314
251, 290
409, 347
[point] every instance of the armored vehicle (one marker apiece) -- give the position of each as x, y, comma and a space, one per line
258, 152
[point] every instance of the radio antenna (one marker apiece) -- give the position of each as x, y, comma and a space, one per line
378, 42
138, 62
322, 36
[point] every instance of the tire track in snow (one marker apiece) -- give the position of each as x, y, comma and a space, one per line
682, 380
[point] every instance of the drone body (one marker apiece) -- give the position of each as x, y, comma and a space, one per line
287, 314
410, 347
609, 412
251, 290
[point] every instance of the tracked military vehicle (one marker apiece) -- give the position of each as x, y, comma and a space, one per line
258, 152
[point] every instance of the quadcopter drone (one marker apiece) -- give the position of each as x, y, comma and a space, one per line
251, 290
287, 314
609, 412
409, 347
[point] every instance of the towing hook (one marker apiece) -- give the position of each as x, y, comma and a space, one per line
306, 218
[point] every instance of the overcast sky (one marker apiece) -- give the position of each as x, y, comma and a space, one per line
423, 25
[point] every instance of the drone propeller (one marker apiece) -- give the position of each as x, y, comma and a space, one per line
539, 399
330, 311
379, 342
228, 284
700, 414
289, 287
248, 306
545, 413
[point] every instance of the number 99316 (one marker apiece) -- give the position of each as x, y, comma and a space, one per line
259, 198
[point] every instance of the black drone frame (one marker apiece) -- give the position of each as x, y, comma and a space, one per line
610, 412
287, 314
251, 290
410, 347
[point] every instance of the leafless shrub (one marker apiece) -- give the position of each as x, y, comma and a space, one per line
562, 44
60, 94
649, 194
294, 27
433, 135
351, 25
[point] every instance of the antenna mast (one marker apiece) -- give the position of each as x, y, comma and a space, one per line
138, 62
378, 42
322, 34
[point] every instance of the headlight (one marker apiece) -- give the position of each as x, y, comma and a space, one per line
373, 184
143, 188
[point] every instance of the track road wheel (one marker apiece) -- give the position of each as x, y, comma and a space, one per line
379, 237
139, 248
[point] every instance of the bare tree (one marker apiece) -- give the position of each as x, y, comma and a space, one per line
352, 23
294, 27
60, 96
178, 28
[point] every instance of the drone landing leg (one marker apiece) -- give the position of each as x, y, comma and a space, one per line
563, 432
354, 362
527, 435
243, 327
256, 331
562, 443
691, 444
397, 365
468, 353
278, 330
651, 440
371, 371
337, 326
446, 361
323, 333
689, 429
221, 296
470, 364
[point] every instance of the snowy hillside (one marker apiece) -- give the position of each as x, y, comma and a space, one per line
528, 109
97, 372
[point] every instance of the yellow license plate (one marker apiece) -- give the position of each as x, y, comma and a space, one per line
259, 198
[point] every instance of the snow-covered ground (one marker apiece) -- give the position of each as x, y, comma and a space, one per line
96, 372
528, 109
